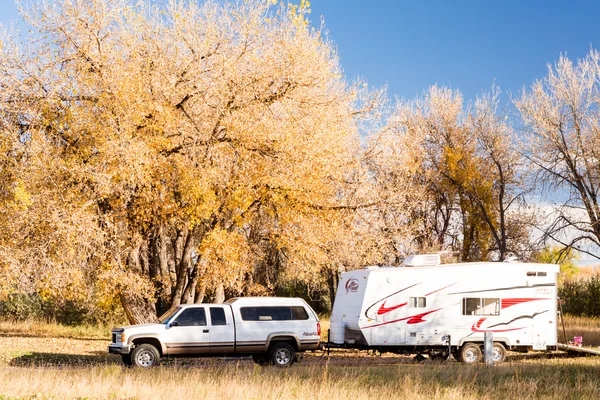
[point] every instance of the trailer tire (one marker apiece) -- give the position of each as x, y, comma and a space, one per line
498, 352
470, 353
282, 354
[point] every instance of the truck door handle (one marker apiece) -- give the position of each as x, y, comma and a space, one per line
205, 331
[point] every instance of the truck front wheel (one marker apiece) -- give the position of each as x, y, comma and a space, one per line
145, 356
282, 354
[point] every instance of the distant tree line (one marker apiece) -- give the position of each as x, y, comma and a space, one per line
153, 155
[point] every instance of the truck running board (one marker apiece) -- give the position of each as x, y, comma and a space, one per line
578, 349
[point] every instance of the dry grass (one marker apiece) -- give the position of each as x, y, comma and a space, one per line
43, 367
45, 329
589, 328
552, 379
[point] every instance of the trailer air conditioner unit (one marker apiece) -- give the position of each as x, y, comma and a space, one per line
422, 260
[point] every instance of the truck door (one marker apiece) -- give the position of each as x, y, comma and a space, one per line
188, 333
222, 337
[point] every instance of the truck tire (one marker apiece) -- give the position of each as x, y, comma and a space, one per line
145, 356
470, 353
282, 354
498, 352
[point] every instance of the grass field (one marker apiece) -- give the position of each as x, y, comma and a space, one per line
41, 361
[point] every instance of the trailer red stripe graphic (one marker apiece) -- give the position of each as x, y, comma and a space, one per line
385, 298
413, 319
475, 328
383, 309
417, 319
515, 301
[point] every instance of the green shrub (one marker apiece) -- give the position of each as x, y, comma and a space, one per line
581, 297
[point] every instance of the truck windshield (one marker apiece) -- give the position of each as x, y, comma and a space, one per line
166, 317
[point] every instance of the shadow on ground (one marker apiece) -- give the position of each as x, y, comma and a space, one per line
100, 358
35, 359
43, 336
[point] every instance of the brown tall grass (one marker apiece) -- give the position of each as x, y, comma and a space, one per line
587, 327
36, 365
553, 379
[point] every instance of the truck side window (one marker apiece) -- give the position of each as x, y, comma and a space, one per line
195, 316
299, 312
217, 316
283, 313
417, 302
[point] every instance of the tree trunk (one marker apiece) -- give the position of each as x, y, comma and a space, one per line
219, 294
137, 310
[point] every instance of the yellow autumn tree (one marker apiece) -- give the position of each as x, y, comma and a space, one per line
157, 152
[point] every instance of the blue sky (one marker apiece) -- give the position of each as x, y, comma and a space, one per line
410, 45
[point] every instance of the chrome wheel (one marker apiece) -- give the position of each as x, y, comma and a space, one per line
470, 356
145, 358
470, 353
498, 353
283, 356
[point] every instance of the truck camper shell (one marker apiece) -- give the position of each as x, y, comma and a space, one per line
446, 309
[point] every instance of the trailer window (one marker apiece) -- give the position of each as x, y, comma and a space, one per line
538, 273
417, 302
480, 306
273, 313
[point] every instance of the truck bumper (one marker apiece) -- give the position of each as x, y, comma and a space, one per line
119, 348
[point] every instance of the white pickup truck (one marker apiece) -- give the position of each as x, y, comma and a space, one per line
270, 329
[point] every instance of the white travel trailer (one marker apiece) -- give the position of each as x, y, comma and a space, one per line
425, 307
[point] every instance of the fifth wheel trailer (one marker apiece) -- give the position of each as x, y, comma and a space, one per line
425, 307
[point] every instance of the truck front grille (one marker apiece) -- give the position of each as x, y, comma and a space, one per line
114, 338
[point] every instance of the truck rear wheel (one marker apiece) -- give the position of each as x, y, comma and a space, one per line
145, 356
470, 353
282, 354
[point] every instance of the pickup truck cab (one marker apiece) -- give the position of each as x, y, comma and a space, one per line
270, 329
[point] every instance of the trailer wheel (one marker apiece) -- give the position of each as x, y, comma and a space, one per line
282, 354
498, 352
470, 353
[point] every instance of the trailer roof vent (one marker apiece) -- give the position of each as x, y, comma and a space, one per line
422, 260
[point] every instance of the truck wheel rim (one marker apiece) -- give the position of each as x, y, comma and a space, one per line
145, 358
283, 356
